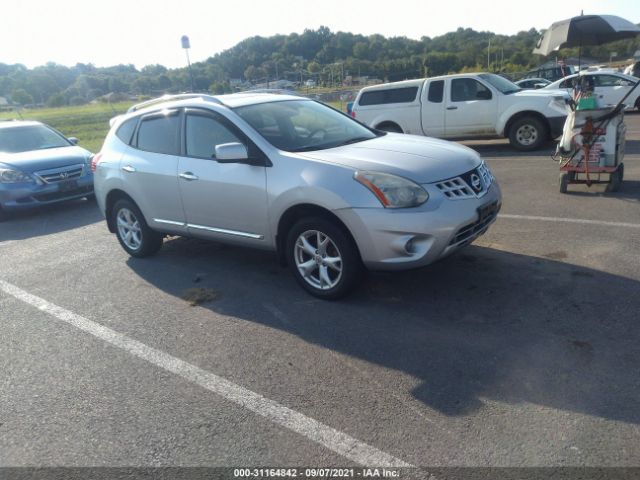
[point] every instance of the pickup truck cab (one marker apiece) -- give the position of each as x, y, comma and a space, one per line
474, 105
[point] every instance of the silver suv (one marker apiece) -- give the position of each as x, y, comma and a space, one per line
291, 175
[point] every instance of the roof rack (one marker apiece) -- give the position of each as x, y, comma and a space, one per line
170, 98
275, 91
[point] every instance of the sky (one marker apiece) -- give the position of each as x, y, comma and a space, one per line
144, 32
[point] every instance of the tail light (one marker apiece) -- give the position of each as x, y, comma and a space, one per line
95, 160
353, 114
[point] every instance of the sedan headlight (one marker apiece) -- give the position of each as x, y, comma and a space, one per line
392, 191
8, 175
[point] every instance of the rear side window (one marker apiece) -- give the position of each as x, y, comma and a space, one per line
436, 91
390, 95
125, 131
159, 134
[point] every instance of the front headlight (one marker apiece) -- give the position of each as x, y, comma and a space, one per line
14, 176
391, 190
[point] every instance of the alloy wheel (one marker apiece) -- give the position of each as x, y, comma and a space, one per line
129, 228
318, 259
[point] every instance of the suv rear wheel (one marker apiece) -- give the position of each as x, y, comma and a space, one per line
527, 133
323, 258
132, 231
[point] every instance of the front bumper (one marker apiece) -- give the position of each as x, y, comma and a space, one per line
410, 238
22, 196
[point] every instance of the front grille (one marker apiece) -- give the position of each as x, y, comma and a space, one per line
455, 188
60, 174
50, 197
471, 231
472, 184
485, 173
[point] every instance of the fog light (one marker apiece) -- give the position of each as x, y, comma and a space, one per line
408, 247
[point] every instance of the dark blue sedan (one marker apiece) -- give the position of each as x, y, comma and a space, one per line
39, 165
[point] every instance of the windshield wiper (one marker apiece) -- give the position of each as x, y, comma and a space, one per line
352, 140
326, 146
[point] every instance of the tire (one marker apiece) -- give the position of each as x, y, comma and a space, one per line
563, 180
133, 233
390, 127
302, 254
615, 182
528, 133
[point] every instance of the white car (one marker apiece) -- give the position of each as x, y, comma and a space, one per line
467, 105
610, 87
532, 83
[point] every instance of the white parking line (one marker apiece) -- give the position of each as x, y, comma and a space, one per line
329, 437
570, 220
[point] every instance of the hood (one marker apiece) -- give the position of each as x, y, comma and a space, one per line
421, 159
541, 92
35, 160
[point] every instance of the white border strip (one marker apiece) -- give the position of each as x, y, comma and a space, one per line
335, 440
570, 220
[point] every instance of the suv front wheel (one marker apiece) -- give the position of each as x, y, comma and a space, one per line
323, 258
132, 231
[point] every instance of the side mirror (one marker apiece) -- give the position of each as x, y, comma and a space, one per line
483, 95
231, 153
73, 140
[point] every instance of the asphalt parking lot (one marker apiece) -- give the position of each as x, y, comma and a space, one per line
521, 350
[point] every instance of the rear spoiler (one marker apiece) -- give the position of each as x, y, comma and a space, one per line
113, 120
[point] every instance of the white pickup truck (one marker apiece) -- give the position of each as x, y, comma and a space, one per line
474, 105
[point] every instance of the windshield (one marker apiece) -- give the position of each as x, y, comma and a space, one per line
502, 84
303, 125
32, 137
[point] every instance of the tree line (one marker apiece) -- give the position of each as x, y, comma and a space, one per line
320, 54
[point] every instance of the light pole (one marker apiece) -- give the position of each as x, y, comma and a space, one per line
186, 45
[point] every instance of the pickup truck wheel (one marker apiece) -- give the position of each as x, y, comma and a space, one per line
389, 127
527, 133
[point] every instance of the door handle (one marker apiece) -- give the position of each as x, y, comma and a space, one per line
129, 168
188, 176
452, 108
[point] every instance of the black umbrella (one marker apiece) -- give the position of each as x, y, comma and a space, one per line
585, 30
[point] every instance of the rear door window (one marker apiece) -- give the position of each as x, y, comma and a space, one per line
436, 91
159, 133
